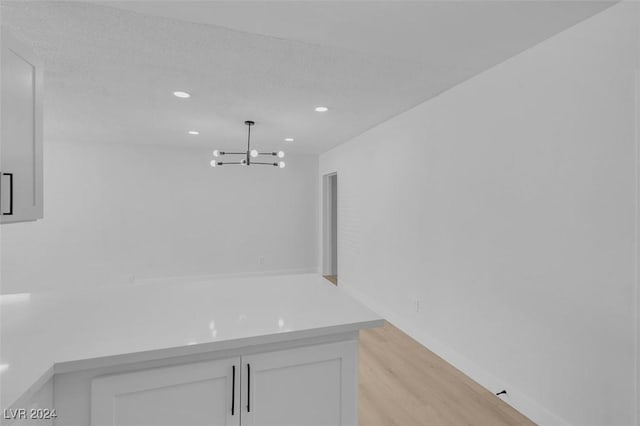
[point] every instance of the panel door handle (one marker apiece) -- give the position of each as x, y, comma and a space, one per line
10, 212
248, 388
233, 391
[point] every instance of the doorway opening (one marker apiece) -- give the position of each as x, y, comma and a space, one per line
330, 227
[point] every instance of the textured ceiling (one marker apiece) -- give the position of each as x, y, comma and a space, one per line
111, 67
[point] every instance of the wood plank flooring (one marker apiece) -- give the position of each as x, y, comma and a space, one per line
403, 383
332, 278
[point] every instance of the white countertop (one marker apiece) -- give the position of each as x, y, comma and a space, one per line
46, 333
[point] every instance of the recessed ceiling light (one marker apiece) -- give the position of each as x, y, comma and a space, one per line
179, 94
322, 109
194, 132
288, 139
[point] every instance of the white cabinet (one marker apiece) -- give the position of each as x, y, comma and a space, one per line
309, 386
306, 386
21, 142
203, 393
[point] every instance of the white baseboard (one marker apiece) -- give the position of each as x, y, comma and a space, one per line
515, 398
150, 280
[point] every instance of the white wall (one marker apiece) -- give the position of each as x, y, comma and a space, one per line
637, 245
118, 212
506, 206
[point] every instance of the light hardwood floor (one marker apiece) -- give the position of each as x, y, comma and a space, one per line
403, 383
332, 278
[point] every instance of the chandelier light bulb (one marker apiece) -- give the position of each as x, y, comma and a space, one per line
254, 153
213, 163
280, 154
281, 164
243, 162
216, 153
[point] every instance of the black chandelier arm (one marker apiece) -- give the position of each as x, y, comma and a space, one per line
220, 163
265, 164
249, 135
244, 153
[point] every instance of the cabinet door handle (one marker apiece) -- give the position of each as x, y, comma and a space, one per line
248, 388
233, 391
10, 212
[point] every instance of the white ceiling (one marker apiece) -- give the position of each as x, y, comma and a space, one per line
111, 66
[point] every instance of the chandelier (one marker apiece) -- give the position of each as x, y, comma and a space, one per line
248, 155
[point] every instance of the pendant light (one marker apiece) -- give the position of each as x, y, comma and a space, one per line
248, 155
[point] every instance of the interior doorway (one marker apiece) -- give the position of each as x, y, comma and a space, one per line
330, 227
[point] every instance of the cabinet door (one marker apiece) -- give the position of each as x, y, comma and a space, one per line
21, 142
309, 386
203, 393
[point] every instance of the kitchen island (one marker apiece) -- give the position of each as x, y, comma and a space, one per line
268, 350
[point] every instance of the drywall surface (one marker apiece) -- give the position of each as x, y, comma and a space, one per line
506, 208
116, 214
